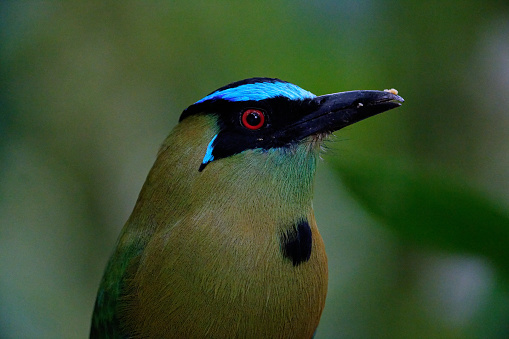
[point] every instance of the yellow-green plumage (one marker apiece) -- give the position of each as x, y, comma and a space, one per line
228, 253
203, 253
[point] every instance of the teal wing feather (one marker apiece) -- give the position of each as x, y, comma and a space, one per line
106, 318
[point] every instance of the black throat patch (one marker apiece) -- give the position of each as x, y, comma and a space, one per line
297, 242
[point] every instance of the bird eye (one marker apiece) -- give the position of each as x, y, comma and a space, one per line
253, 119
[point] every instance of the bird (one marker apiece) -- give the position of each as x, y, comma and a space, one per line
223, 241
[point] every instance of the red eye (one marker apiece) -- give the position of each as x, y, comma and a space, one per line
253, 119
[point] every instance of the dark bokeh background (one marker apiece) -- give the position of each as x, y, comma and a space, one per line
413, 204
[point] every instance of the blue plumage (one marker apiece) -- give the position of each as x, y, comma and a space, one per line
260, 91
254, 89
208, 154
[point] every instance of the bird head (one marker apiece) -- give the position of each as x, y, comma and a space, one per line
263, 114
255, 140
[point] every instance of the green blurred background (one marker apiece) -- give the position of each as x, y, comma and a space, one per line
413, 204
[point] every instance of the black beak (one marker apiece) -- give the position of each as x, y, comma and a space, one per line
331, 112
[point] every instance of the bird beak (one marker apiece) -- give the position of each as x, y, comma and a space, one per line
331, 112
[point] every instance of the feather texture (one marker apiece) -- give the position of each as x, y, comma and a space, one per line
212, 265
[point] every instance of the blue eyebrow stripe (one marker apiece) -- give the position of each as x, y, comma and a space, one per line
208, 154
260, 91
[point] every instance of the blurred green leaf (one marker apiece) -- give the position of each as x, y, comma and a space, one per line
429, 207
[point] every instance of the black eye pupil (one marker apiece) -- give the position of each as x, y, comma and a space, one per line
253, 119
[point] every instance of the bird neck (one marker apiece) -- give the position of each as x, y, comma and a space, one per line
273, 184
